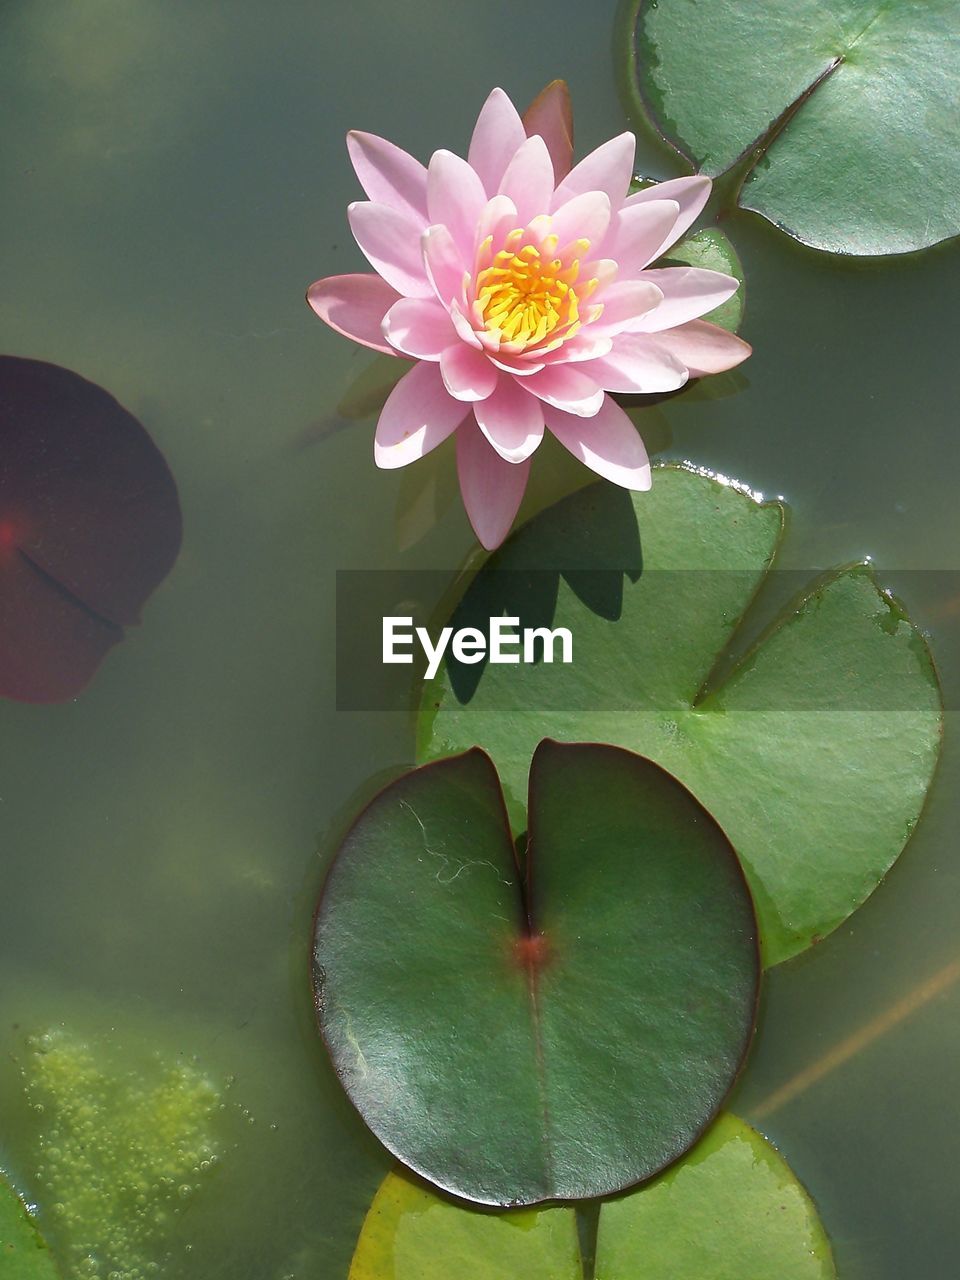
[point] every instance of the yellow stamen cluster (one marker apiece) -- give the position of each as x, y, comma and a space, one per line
529, 293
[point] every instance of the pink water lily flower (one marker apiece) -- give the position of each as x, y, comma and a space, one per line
522, 287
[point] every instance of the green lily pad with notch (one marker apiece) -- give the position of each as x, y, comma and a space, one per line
731, 1209
552, 1027
814, 751
840, 119
24, 1254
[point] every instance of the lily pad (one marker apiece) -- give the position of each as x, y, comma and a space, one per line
410, 1233
24, 1254
712, 250
730, 1210
89, 527
838, 119
814, 750
556, 1025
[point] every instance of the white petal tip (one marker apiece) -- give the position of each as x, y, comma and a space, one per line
390, 459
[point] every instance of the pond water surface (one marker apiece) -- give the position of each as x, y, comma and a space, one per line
174, 176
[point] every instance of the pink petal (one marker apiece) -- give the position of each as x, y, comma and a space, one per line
638, 365
603, 270
496, 136
704, 347
608, 169
637, 233
691, 194
588, 344
585, 217
467, 373
498, 217
567, 388
418, 415
511, 420
419, 327
492, 489
608, 443
355, 306
520, 366
528, 180
391, 243
456, 198
464, 328
389, 175
443, 264
624, 303
688, 292
551, 115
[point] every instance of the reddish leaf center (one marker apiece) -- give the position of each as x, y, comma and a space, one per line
8, 536
532, 950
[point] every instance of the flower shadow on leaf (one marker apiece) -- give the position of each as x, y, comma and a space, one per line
594, 567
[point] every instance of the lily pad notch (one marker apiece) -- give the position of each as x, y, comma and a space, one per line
830, 121
731, 1207
554, 1024
814, 746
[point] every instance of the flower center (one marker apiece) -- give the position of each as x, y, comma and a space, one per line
527, 292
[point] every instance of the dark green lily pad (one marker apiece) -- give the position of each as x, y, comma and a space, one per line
24, 1254
558, 1031
814, 753
840, 117
731, 1210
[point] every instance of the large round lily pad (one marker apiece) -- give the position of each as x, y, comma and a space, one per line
24, 1254
731, 1210
89, 527
557, 1025
841, 116
814, 753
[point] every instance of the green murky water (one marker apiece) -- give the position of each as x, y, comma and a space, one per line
174, 176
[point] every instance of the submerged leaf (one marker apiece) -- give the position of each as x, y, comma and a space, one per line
89, 527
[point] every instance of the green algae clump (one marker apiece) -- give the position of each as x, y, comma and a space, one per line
122, 1149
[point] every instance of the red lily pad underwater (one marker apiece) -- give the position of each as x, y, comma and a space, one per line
90, 526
